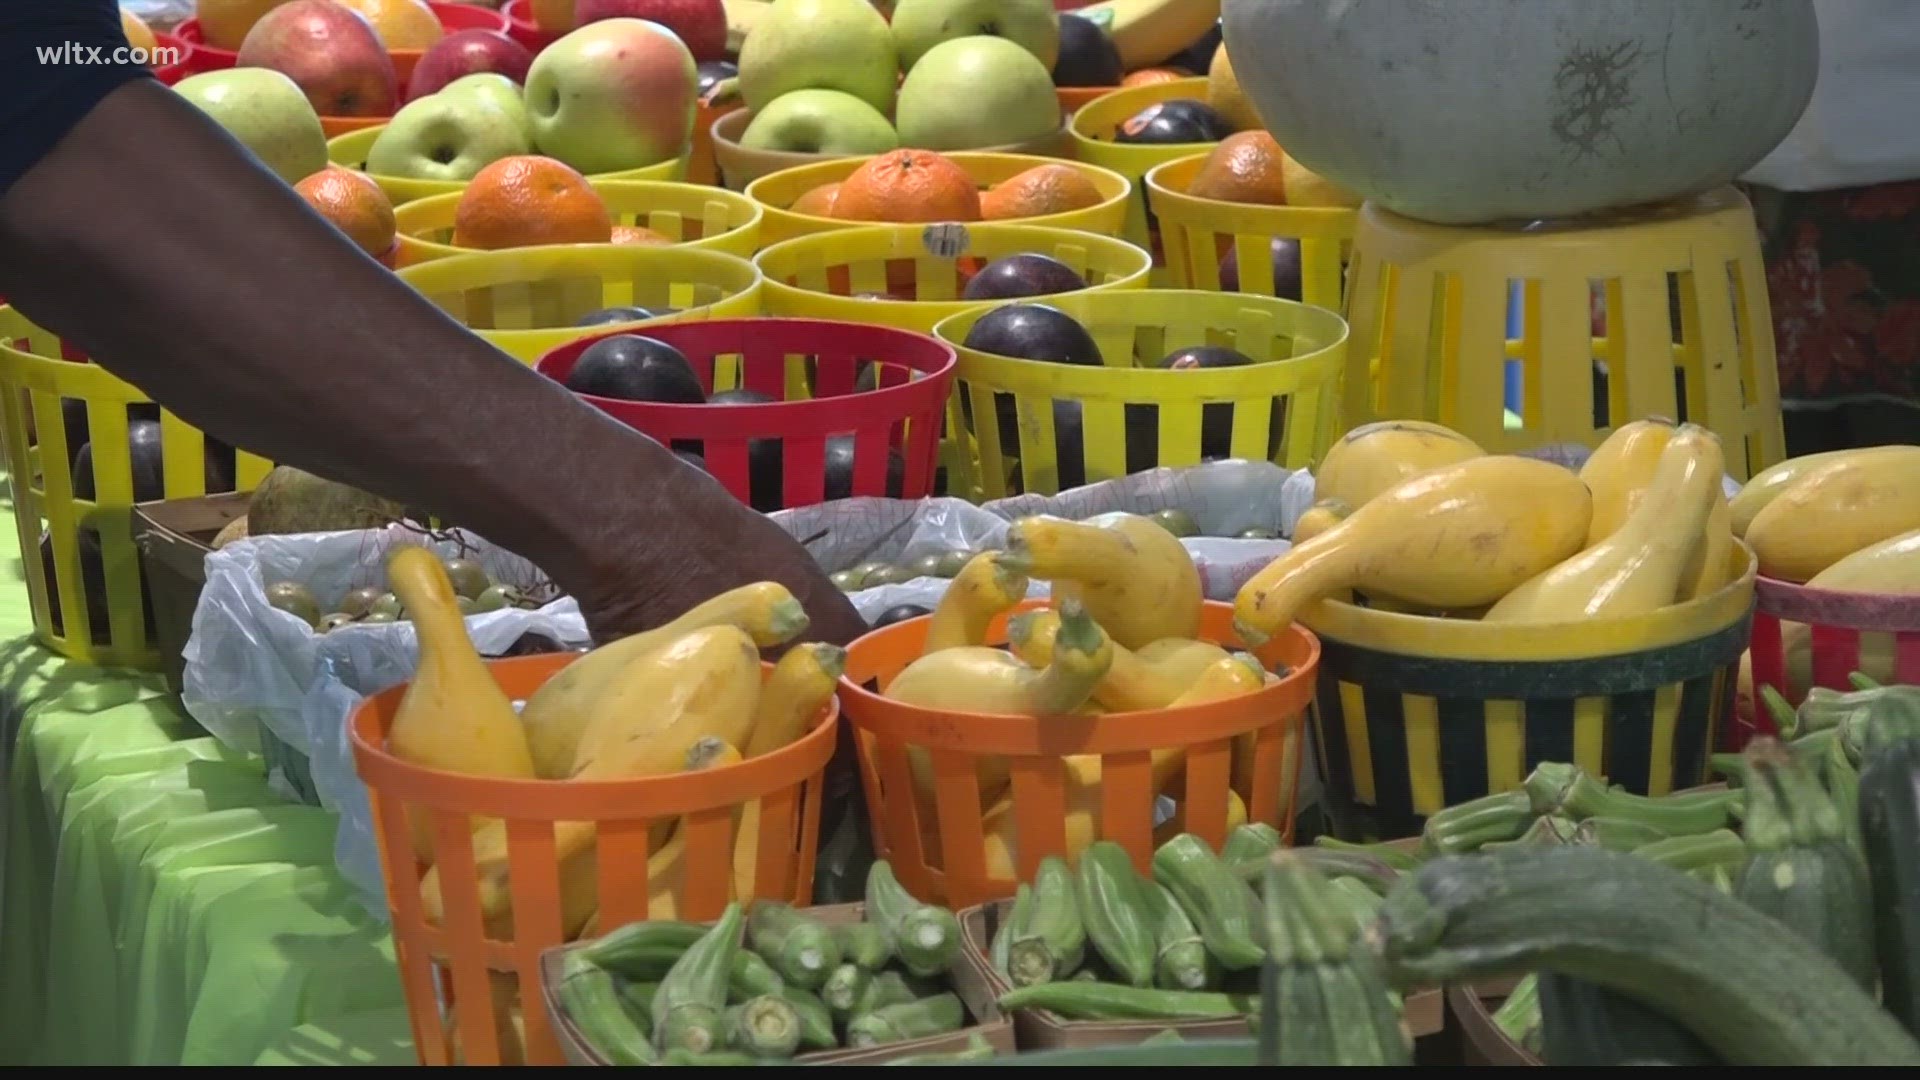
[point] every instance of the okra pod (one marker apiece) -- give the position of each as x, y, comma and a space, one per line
1457, 830
1105, 1001
1399, 858
1722, 848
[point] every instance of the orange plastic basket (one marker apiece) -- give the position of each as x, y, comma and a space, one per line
957, 873
1197, 235
461, 963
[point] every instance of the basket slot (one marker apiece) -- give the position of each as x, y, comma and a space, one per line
1836, 654
1180, 433
1479, 307
1126, 803
934, 279
1256, 430
897, 789
464, 938
776, 844
709, 875
535, 886
922, 444
957, 804
1040, 812
1564, 401
1208, 767
870, 447
669, 223
804, 474
625, 867
1039, 445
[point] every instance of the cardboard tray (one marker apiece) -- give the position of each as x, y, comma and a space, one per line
174, 538
976, 994
1038, 1029
1483, 1042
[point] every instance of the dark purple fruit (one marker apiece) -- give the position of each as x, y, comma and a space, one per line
763, 455
1198, 57
1216, 421
1172, 123
714, 72
73, 417
898, 614
1034, 332
609, 316
630, 367
149, 476
1087, 55
93, 587
1286, 269
1027, 274
839, 468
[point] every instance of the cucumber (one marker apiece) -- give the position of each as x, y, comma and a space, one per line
863, 944
766, 1027
1889, 824
1584, 1024
1221, 905
934, 1015
1107, 1001
1181, 960
688, 1007
925, 937
802, 950
589, 997
1052, 943
1114, 911
1323, 997
1802, 872
1488, 819
1754, 995
1559, 788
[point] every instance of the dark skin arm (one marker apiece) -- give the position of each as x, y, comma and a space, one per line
217, 292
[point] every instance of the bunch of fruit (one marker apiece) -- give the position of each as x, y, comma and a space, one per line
339, 52
768, 982
687, 696
474, 594
911, 186
1416, 518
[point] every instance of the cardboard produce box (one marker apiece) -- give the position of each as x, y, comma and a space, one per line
1038, 1029
974, 992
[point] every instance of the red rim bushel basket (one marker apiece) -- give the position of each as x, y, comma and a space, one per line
811, 367
1839, 633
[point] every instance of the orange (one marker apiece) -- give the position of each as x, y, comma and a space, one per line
522, 201
224, 23
817, 202
139, 34
401, 24
908, 186
1245, 168
553, 16
1043, 189
1153, 76
639, 234
355, 205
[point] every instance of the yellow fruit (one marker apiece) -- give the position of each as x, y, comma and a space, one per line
552, 16
1890, 567
1135, 578
1457, 537
1770, 483
1834, 510
1226, 97
1640, 567
1320, 517
800, 685
557, 713
453, 716
1131, 683
1308, 188
1620, 470
982, 589
1711, 567
1373, 458
645, 721
139, 34
224, 23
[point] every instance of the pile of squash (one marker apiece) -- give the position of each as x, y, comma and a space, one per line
689, 695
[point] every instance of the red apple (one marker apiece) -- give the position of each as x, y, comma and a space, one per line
468, 52
331, 52
702, 24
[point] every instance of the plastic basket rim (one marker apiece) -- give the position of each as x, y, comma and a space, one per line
726, 138
30, 369
958, 157
1891, 613
342, 151
686, 260
509, 798
1308, 220
494, 20
606, 186
1150, 94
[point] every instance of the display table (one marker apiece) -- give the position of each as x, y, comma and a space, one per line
159, 904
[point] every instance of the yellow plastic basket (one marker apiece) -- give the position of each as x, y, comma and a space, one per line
1095, 126
822, 276
350, 151
740, 166
695, 217
777, 191
1283, 407
527, 301
81, 562
1196, 235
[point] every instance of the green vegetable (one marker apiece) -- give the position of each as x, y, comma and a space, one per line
799, 948
751, 976
864, 944
1801, 871
1333, 862
1824, 709
588, 995
1254, 840
1550, 829
1181, 960
1218, 901
889, 988
1559, 788
925, 937
1753, 995
1518, 1017
639, 999
687, 1009
1585, 1024
816, 1021
765, 1026
635, 950
1842, 779
1360, 902
1114, 911
1107, 1001
1893, 715
1164, 1035
1488, 819
1721, 848
845, 987
978, 1049
724, 1059
1616, 834
1782, 714
1011, 926
1889, 824
1399, 858
1861, 681
1052, 942
1324, 999
934, 1015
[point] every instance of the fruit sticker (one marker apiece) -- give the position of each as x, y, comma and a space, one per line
948, 240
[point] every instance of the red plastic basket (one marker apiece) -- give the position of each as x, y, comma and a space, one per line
1846, 632
454, 17
202, 57
521, 27
811, 366
181, 67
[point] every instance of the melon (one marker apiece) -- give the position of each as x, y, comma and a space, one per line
1469, 112
291, 501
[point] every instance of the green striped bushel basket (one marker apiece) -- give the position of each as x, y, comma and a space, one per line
1416, 713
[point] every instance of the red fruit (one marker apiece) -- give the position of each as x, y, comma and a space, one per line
331, 52
468, 52
702, 24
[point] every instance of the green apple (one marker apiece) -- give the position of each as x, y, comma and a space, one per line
919, 25
819, 45
494, 87
973, 92
447, 136
268, 113
820, 122
615, 94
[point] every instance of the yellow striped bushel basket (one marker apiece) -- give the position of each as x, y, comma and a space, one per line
1415, 713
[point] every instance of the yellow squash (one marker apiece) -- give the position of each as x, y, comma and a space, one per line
1131, 683
453, 717
649, 716
1890, 567
982, 589
1770, 483
1640, 566
1836, 509
1134, 576
801, 684
556, 714
1321, 516
1457, 537
1620, 471
1711, 567
1374, 458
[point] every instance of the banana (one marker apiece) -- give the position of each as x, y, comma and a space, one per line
1134, 576
1834, 510
1149, 31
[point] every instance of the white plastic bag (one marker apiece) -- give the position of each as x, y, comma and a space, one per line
1858, 130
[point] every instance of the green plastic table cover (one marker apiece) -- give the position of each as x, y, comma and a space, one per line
159, 905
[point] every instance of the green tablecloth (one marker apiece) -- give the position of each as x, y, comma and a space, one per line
159, 905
